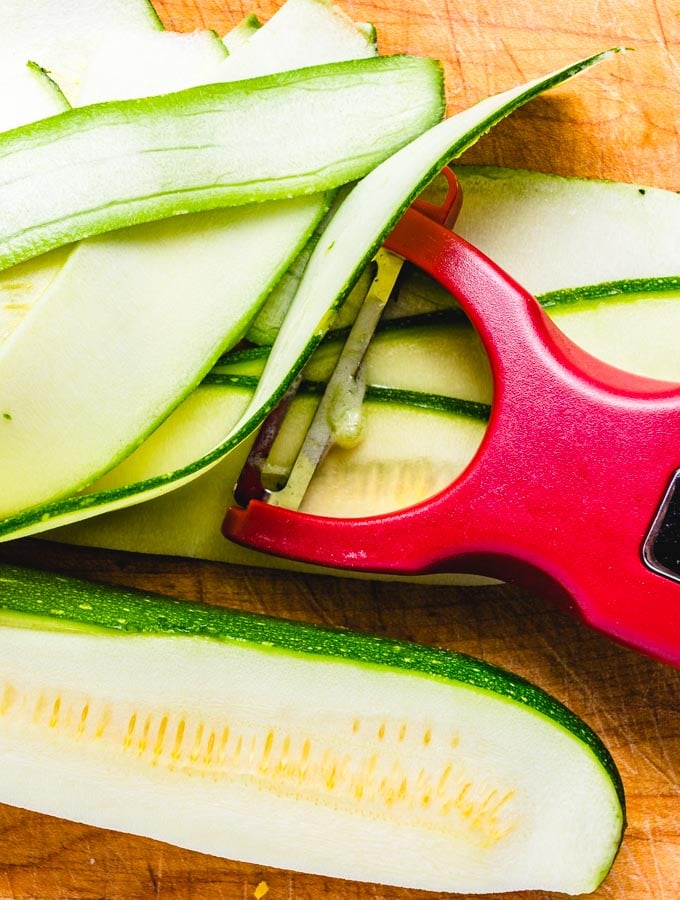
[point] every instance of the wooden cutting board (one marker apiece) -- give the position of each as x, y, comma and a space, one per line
620, 121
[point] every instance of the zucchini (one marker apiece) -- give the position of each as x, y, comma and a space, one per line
589, 220
241, 32
598, 232
412, 445
314, 30
312, 311
288, 745
34, 95
155, 63
60, 35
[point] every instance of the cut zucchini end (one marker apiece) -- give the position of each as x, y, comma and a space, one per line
294, 746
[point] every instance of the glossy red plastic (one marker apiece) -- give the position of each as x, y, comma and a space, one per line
563, 490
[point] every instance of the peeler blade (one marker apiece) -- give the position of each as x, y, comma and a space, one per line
338, 417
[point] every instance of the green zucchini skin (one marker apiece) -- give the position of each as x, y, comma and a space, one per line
126, 162
627, 290
46, 600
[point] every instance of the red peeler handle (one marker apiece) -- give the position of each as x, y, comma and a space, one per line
563, 490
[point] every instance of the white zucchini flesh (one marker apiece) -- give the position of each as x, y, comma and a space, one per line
404, 455
28, 94
33, 96
111, 411
636, 336
155, 63
314, 30
59, 34
591, 240
241, 32
203, 275
290, 746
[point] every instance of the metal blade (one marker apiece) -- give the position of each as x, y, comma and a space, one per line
338, 416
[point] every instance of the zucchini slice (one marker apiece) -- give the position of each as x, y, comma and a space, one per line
34, 96
314, 30
293, 746
156, 62
122, 163
60, 35
242, 32
603, 231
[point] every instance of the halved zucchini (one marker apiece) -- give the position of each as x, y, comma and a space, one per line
288, 745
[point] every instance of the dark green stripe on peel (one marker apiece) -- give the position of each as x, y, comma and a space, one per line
242, 382
616, 291
61, 599
453, 406
454, 316
626, 291
437, 403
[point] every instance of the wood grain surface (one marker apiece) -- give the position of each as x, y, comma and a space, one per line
620, 121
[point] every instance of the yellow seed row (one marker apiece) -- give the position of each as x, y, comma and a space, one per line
377, 777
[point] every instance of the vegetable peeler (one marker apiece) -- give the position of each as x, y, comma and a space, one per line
573, 493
